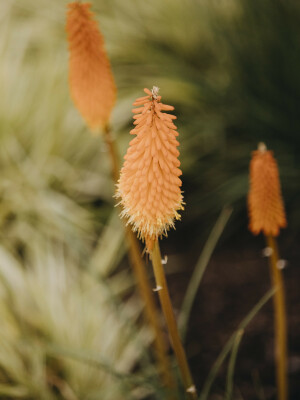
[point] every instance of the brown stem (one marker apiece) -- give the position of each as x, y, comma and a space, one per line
162, 288
143, 283
112, 152
280, 321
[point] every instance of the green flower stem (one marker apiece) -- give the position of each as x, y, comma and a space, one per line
163, 292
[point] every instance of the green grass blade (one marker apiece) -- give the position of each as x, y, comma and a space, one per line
228, 345
259, 390
231, 365
110, 249
200, 269
93, 361
15, 392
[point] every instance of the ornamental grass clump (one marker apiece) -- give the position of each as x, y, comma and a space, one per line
267, 215
91, 81
149, 184
150, 194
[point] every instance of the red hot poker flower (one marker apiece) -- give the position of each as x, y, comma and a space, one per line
265, 204
149, 184
91, 81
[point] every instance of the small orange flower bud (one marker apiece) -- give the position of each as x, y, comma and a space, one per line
266, 209
149, 184
91, 82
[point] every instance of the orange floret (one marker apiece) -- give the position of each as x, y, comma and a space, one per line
266, 209
149, 184
91, 81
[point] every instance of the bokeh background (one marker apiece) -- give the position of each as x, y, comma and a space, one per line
71, 325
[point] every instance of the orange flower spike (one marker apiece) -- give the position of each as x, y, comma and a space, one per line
91, 81
149, 184
265, 204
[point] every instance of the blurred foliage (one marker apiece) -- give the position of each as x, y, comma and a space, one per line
65, 335
231, 70
230, 67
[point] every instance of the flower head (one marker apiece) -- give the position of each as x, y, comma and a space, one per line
266, 209
149, 184
91, 81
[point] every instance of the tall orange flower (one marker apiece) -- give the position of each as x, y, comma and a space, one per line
266, 209
149, 184
91, 81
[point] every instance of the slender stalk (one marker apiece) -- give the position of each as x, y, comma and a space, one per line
259, 390
112, 152
143, 283
166, 305
200, 268
231, 365
280, 322
230, 342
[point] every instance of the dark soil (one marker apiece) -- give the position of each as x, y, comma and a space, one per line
236, 278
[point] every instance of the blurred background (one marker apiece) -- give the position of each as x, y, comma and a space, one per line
71, 325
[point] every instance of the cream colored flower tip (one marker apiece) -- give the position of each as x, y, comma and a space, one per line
149, 184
